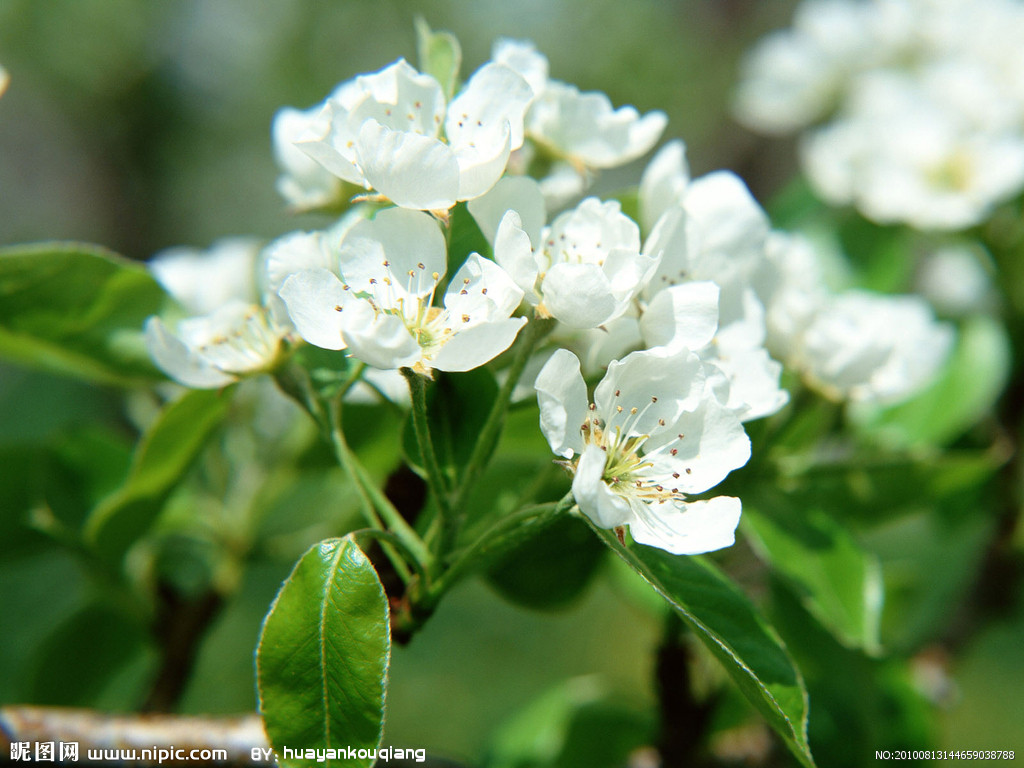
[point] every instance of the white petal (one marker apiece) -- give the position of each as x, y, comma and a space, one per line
294, 252
683, 316
179, 362
475, 346
482, 291
377, 338
712, 445
411, 170
562, 397
327, 139
579, 295
524, 58
691, 528
663, 182
410, 241
204, 280
513, 252
658, 384
512, 193
481, 164
304, 182
316, 301
595, 499
494, 96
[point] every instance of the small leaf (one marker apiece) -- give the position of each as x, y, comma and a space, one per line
440, 55
735, 633
839, 583
457, 408
166, 452
551, 569
323, 655
77, 310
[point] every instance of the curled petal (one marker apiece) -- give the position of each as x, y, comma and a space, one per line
475, 346
596, 500
683, 316
562, 397
579, 295
180, 362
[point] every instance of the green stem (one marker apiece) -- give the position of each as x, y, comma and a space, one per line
378, 511
388, 539
372, 496
421, 426
531, 335
503, 534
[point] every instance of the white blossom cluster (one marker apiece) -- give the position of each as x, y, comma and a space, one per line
674, 311
915, 107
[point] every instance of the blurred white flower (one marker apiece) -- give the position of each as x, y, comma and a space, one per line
872, 348
303, 182
915, 107
214, 350
381, 309
654, 434
955, 281
202, 281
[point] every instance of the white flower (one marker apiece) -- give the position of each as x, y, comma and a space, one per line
582, 128
955, 281
382, 131
901, 155
303, 182
381, 306
586, 268
214, 350
654, 434
202, 281
873, 348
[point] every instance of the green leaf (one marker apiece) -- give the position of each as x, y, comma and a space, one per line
77, 310
962, 395
457, 407
440, 55
577, 724
838, 582
551, 569
323, 655
81, 659
166, 452
735, 633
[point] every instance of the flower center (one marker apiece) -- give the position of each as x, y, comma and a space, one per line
628, 470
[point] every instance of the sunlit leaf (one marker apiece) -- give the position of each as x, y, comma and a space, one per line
440, 55
323, 655
731, 628
77, 310
166, 452
839, 582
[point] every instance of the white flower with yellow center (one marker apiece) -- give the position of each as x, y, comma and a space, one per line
380, 305
654, 434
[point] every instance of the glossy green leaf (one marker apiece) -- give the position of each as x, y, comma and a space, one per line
859, 704
323, 655
962, 395
731, 628
440, 55
77, 310
551, 569
166, 452
838, 582
457, 407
